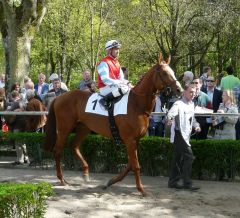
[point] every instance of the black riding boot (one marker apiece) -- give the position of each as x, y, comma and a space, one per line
106, 100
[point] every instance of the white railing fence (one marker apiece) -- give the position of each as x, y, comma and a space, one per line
30, 113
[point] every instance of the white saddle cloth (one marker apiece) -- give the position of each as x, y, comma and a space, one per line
93, 105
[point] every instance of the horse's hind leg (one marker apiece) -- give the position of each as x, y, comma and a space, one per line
133, 164
61, 139
119, 177
81, 132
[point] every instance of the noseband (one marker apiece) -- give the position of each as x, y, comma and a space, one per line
168, 86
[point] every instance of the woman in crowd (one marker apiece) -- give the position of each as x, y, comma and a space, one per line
15, 87
226, 125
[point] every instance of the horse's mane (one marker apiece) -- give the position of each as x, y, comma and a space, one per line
140, 79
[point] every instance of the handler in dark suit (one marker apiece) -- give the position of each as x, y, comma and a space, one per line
215, 96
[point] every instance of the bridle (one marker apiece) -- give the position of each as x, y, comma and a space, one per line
161, 77
158, 91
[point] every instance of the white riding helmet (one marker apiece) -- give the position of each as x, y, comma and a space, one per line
112, 44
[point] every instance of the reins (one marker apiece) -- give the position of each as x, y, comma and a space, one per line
154, 93
146, 94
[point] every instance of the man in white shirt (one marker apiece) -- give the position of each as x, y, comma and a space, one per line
181, 117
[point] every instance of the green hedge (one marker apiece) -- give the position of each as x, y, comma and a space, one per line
212, 157
23, 200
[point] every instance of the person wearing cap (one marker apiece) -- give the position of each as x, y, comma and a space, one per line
187, 77
111, 80
57, 89
53, 77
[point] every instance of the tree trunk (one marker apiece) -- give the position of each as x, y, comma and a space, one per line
19, 57
22, 20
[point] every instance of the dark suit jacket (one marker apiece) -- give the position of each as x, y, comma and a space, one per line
217, 98
44, 91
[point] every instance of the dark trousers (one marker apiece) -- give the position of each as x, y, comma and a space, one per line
156, 129
182, 162
204, 130
237, 127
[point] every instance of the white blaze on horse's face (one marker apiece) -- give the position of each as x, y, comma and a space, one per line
172, 74
169, 69
179, 85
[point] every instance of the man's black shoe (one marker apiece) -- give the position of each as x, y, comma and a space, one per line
17, 163
176, 186
191, 188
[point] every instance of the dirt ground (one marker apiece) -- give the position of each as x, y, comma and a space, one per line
88, 200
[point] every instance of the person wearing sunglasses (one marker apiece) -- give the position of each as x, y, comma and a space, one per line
202, 100
215, 96
206, 73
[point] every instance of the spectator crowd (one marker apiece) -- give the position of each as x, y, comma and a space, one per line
33, 97
221, 95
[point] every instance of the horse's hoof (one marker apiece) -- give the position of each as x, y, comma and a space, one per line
86, 178
64, 183
109, 183
147, 194
104, 187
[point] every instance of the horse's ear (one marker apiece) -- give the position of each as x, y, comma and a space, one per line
160, 60
168, 60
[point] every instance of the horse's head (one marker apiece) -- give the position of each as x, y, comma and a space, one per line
165, 78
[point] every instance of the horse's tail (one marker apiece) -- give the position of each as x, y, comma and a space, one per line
50, 132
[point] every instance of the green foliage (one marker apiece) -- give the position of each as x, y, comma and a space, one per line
24, 200
154, 154
196, 33
2, 56
71, 38
212, 156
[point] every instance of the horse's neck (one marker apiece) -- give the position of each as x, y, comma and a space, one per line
144, 94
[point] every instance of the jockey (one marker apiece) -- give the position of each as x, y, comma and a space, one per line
111, 80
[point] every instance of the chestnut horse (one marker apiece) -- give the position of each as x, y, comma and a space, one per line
67, 112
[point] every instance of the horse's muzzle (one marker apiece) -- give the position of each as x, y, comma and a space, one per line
179, 91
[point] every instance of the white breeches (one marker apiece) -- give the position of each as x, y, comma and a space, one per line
117, 90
